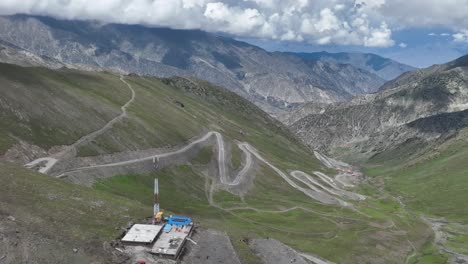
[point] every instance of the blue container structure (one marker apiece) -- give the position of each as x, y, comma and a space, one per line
179, 220
167, 228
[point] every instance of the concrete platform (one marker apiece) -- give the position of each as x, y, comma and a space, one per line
170, 244
142, 234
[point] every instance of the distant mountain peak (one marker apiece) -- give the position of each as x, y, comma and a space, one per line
385, 68
460, 62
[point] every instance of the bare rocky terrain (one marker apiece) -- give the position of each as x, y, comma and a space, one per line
15, 55
211, 247
421, 106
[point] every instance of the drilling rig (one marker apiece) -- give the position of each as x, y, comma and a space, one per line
157, 214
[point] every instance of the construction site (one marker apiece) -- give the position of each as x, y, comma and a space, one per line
165, 237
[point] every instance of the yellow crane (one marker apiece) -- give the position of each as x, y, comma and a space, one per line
158, 217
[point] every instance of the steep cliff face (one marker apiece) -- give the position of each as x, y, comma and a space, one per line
273, 81
404, 110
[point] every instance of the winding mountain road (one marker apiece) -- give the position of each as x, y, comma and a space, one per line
223, 175
334, 190
109, 124
51, 161
315, 190
337, 165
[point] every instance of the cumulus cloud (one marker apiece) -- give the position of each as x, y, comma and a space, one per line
344, 22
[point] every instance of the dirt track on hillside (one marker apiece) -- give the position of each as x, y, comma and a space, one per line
47, 163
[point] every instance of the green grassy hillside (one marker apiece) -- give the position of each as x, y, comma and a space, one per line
49, 108
432, 185
52, 217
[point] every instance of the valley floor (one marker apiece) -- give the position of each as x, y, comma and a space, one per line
432, 187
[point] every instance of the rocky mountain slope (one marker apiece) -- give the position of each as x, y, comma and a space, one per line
423, 105
273, 81
411, 139
15, 55
284, 192
386, 69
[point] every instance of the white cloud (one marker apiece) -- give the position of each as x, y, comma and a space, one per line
417, 13
328, 21
445, 34
403, 45
233, 19
344, 22
193, 3
380, 37
461, 36
339, 7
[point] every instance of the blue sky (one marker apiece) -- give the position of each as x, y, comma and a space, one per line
422, 47
416, 32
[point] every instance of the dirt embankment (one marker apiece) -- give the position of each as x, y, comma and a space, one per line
212, 247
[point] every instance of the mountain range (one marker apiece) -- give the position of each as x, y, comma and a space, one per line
386, 69
274, 81
421, 106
